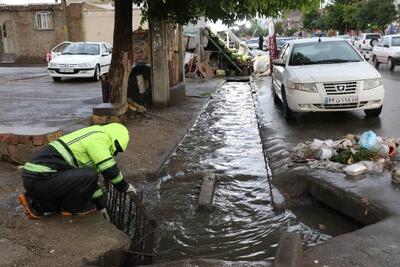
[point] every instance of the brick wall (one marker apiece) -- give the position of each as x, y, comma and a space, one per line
31, 44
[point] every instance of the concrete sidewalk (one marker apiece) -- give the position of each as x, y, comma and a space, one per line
372, 201
57, 241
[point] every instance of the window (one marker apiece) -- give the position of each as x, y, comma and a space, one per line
44, 20
323, 53
395, 41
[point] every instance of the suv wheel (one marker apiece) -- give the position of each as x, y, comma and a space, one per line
373, 42
373, 112
56, 79
287, 112
376, 63
390, 64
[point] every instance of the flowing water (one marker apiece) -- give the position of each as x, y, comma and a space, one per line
243, 225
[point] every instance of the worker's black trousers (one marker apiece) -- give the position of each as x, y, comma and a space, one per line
68, 190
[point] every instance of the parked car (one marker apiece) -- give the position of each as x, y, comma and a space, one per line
252, 43
366, 41
281, 41
345, 37
325, 74
57, 50
81, 59
387, 51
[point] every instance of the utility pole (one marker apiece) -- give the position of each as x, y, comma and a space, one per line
66, 20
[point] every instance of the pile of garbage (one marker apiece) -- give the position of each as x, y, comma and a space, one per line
354, 155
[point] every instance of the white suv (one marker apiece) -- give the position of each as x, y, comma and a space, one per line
366, 41
326, 74
387, 51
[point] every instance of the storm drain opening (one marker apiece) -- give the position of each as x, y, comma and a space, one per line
131, 217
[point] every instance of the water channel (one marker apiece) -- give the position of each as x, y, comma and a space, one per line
243, 225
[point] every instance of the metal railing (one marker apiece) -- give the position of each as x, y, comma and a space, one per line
130, 216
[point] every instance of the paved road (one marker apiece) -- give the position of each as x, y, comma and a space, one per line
331, 125
28, 96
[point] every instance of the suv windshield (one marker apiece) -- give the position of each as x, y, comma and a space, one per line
323, 53
396, 41
82, 49
372, 36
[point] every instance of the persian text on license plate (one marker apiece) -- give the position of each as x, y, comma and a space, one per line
331, 100
67, 70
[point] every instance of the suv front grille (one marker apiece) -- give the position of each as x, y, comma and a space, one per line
343, 88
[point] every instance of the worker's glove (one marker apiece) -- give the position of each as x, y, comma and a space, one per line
105, 214
131, 191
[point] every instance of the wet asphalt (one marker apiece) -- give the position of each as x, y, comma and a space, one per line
29, 97
333, 124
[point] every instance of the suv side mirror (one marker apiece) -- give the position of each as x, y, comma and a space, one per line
279, 62
105, 54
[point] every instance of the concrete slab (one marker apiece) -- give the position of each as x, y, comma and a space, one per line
290, 251
206, 197
210, 263
27, 130
11, 254
99, 242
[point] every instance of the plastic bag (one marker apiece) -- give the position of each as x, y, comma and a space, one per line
368, 140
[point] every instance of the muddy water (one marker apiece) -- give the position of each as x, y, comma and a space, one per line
243, 225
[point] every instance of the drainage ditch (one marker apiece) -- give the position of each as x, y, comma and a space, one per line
243, 225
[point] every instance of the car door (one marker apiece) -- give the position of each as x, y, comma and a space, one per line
278, 71
105, 59
384, 52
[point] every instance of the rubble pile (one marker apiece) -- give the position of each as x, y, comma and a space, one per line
354, 155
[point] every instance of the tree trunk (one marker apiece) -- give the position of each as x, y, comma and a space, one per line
122, 58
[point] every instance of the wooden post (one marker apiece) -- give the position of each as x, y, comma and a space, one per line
159, 63
66, 20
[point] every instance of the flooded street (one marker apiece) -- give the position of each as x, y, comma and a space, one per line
243, 225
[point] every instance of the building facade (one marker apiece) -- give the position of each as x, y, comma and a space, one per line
28, 32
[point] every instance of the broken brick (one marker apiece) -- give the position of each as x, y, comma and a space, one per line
39, 140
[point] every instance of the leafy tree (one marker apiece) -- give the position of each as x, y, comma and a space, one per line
376, 14
182, 12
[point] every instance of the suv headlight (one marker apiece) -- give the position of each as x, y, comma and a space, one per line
372, 83
306, 87
85, 65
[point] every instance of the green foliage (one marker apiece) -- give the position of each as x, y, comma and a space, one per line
352, 14
290, 32
228, 11
347, 156
279, 28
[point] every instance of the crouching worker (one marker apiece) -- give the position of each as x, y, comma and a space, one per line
63, 176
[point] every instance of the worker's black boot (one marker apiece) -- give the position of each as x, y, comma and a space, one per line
28, 205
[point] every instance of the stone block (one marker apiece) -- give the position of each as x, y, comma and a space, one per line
39, 140
207, 192
290, 251
14, 139
109, 109
52, 137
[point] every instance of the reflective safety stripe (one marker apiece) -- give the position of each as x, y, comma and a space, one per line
106, 164
117, 179
37, 168
98, 193
64, 153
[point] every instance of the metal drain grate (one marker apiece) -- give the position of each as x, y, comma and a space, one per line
130, 216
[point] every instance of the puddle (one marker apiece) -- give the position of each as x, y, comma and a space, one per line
243, 225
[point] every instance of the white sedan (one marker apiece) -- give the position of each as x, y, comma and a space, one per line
81, 60
326, 74
387, 51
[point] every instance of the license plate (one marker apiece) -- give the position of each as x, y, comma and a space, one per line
331, 100
67, 70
